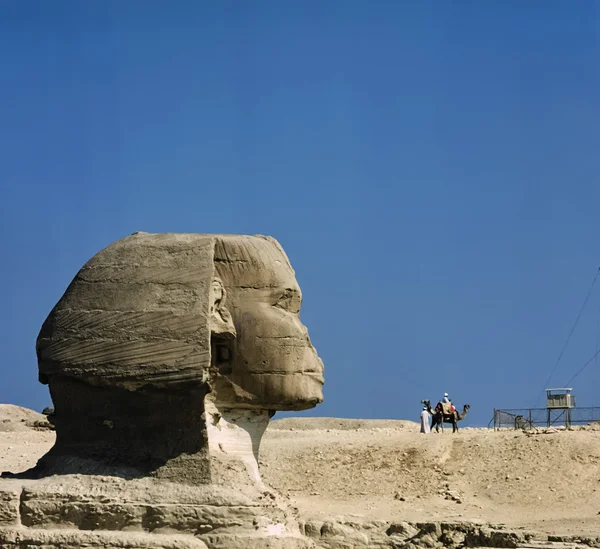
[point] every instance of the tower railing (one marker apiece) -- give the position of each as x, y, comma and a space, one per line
529, 418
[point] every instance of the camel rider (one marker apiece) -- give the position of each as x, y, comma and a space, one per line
447, 405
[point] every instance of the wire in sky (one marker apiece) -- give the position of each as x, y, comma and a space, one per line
583, 367
597, 338
562, 352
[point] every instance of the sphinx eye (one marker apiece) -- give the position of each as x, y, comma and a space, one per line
290, 300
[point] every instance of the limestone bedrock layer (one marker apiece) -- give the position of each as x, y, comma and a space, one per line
72, 511
168, 353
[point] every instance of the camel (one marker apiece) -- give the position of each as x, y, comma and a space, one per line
440, 418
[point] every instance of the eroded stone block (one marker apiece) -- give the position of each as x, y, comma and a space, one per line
9, 507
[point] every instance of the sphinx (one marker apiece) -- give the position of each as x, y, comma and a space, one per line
165, 359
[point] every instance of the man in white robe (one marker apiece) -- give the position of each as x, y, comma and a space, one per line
425, 420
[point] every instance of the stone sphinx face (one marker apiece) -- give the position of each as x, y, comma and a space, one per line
270, 362
168, 352
172, 311
163, 343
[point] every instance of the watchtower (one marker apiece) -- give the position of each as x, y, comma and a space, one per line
559, 404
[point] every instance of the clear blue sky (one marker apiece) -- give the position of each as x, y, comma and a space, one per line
431, 168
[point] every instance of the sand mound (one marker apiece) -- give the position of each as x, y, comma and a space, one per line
16, 418
546, 480
341, 424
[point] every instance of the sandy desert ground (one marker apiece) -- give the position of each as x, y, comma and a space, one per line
546, 480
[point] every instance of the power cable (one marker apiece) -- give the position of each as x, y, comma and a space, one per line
597, 337
583, 367
562, 352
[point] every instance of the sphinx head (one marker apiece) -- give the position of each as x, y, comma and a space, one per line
155, 324
166, 310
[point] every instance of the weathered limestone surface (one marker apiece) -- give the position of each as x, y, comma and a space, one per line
142, 313
220, 517
73, 539
9, 507
165, 358
353, 534
168, 353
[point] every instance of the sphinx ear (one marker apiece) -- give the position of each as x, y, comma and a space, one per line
221, 323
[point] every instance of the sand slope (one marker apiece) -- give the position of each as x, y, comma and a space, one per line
545, 480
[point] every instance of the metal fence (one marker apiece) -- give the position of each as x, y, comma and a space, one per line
529, 418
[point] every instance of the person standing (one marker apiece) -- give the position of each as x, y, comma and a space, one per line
425, 420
